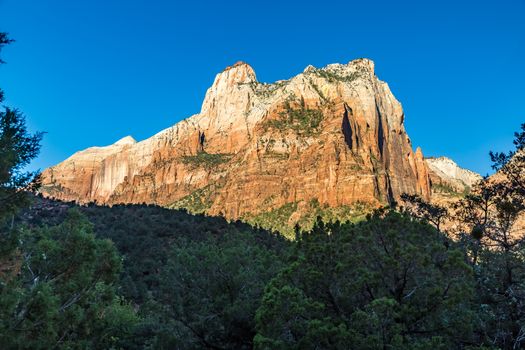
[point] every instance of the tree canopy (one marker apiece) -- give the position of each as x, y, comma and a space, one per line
388, 282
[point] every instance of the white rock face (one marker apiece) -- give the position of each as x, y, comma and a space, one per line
128, 140
449, 173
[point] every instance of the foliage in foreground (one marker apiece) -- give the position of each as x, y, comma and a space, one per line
63, 294
389, 282
488, 226
197, 281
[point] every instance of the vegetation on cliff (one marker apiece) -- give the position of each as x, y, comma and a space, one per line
333, 76
197, 202
206, 160
298, 117
294, 216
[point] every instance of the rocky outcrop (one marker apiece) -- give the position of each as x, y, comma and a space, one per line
333, 135
446, 175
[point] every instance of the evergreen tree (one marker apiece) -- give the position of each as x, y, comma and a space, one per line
62, 294
211, 289
494, 239
17, 149
487, 224
4, 39
389, 282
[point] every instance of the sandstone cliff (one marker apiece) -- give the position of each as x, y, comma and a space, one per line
446, 175
331, 136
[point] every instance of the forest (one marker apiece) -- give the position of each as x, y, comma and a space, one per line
412, 275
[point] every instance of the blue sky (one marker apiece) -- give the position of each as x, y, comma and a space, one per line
89, 72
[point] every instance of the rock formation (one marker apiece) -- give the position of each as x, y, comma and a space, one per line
333, 136
445, 174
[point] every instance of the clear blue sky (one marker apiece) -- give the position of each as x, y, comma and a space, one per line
89, 72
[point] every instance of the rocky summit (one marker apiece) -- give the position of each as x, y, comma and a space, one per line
324, 142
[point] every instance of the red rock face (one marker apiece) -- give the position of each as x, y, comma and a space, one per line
334, 135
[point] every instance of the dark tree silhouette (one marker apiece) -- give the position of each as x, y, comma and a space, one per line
17, 148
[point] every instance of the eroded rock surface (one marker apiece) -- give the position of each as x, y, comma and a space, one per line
333, 135
446, 173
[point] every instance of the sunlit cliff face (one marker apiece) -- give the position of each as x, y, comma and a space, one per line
334, 135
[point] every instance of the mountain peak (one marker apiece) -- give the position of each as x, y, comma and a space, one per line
366, 63
309, 69
241, 72
127, 140
237, 64
228, 92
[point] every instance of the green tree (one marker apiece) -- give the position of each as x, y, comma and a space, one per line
17, 149
63, 294
511, 165
434, 214
211, 290
488, 226
389, 282
493, 238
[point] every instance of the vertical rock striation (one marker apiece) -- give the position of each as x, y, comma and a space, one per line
333, 135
